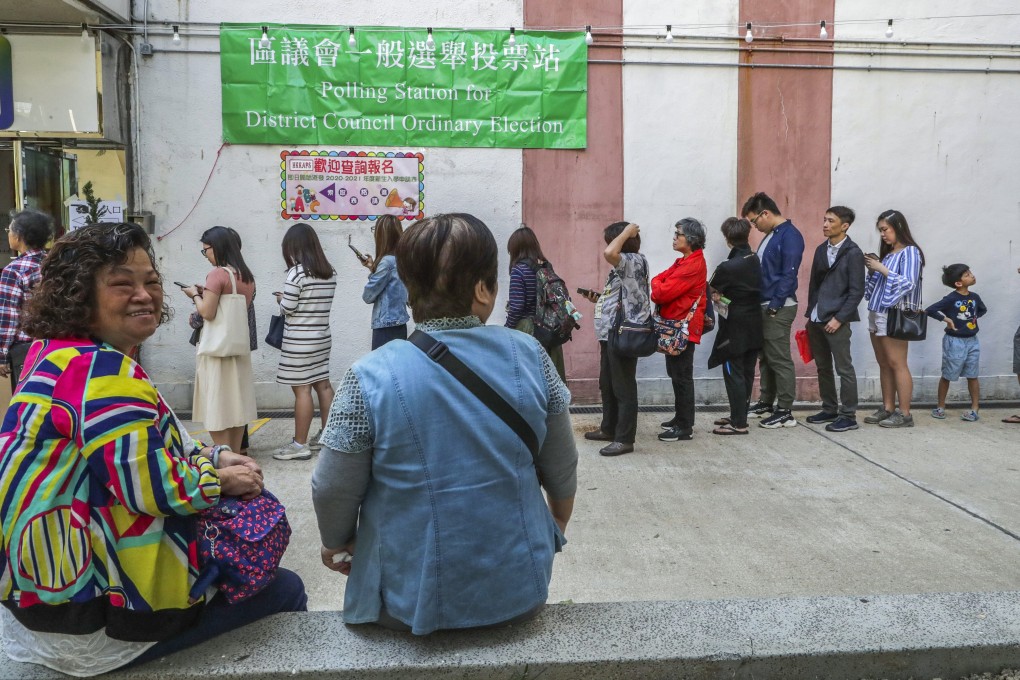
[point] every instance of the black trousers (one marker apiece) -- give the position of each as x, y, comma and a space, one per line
618, 384
16, 356
380, 336
680, 369
738, 376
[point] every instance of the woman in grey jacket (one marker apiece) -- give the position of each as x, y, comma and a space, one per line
384, 290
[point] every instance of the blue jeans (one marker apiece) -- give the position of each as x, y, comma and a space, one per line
285, 594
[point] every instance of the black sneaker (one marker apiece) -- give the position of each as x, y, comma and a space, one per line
759, 409
842, 424
668, 424
779, 418
822, 417
674, 434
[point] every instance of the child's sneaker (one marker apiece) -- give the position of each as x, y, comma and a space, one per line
939, 413
970, 416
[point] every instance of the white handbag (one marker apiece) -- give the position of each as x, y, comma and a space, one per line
226, 335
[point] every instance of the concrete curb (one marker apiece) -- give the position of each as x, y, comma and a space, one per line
945, 635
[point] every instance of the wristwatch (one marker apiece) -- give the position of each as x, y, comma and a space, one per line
771, 312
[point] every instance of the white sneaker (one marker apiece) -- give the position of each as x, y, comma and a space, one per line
293, 451
313, 442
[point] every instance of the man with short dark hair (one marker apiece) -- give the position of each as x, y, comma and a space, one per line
835, 290
780, 253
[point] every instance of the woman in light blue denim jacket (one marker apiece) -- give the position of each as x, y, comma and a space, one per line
384, 290
437, 512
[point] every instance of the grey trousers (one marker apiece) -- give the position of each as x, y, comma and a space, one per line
829, 349
775, 363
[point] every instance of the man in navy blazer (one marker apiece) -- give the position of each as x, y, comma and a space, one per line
835, 291
780, 253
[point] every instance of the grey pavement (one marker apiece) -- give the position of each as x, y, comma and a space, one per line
790, 512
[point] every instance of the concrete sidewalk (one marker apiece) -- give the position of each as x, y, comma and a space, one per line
790, 512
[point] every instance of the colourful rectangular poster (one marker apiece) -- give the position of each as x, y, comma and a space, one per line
403, 87
352, 185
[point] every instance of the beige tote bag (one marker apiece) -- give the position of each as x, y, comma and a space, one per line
227, 334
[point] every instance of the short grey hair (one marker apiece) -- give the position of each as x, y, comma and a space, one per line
693, 231
34, 227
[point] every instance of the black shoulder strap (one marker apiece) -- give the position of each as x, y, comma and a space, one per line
442, 355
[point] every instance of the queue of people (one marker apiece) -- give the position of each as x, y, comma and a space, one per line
448, 467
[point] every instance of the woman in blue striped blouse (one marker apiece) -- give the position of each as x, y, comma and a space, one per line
895, 276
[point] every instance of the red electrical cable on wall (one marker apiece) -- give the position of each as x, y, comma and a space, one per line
200, 195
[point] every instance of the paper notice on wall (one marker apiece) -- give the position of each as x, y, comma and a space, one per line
109, 211
352, 185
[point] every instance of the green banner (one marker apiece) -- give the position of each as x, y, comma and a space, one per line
399, 87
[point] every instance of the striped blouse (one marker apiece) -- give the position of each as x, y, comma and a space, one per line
523, 292
99, 500
883, 292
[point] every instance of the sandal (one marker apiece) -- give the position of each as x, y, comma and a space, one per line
1013, 420
728, 429
722, 421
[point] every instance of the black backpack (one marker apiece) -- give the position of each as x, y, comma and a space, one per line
555, 319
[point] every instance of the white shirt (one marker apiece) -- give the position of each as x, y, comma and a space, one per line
831, 251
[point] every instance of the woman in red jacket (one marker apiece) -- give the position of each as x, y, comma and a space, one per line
677, 291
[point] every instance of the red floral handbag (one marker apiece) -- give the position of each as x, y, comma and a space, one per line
240, 545
672, 334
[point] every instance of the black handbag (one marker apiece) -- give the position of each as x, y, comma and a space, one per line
634, 340
903, 323
274, 338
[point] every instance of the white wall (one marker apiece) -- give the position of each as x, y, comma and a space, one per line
680, 154
940, 148
181, 132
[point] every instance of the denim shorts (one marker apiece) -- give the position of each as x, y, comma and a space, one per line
960, 357
877, 322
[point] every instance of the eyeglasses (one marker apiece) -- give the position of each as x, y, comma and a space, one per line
756, 218
678, 234
204, 249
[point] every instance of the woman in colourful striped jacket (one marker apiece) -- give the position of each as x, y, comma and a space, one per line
99, 485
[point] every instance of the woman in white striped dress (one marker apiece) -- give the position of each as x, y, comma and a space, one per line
305, 304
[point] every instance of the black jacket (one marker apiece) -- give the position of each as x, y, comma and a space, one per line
739, 279
837, 291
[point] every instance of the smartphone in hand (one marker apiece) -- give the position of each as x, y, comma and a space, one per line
871, 256
361, 256
586, 292
182, 285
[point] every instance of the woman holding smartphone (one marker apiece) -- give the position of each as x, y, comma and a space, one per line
224, 397
305, 303
626, 293
384, 290
895, 277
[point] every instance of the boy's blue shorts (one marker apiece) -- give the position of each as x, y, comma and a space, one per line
960, 357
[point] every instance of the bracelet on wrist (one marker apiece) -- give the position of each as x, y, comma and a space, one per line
214, 455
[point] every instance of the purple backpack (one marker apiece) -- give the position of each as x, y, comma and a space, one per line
240, 545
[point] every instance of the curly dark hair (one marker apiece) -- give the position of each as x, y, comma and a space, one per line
63, 304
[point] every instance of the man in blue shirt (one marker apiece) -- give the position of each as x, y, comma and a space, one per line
780, 253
